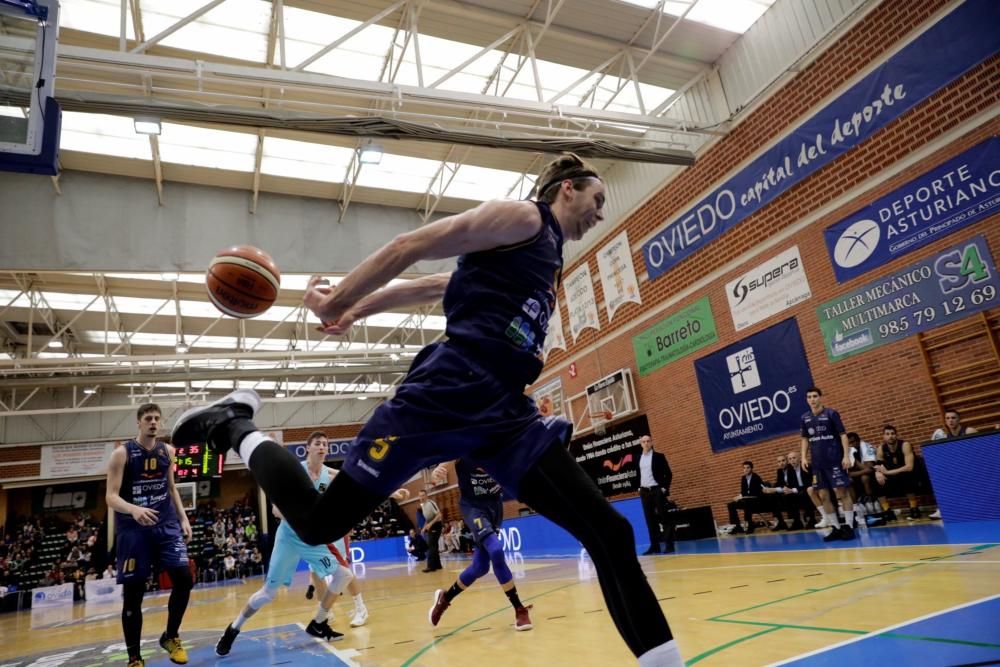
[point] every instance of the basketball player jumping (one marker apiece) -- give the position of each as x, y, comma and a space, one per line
464, 398
151, 528
481, 503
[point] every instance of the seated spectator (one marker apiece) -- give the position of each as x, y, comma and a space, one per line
229, 566
862, 472
777, 493
417, 546
72, 535
750, 499
953, 427
800, 492
894, 473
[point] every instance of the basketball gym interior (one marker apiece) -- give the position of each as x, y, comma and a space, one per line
799, 194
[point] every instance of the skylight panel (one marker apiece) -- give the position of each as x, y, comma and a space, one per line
440, 56
359, 57
13, 112
200, 147
300, 159
732, 15
98, 16
235, 29
103, 134
481, 183
399, 172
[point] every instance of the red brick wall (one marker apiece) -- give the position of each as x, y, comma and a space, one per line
887, 384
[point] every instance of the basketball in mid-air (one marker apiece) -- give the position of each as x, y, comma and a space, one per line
243, 281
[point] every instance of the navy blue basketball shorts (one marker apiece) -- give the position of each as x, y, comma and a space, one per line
139, 549
483, 518
450, 407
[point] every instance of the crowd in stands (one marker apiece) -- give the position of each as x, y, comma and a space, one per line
50, 551
387, 520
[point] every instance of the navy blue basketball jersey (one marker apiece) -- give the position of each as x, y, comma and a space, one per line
498, 302
145, 483
476, 484
823, 431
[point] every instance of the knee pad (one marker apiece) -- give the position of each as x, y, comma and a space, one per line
337, 582
262, 597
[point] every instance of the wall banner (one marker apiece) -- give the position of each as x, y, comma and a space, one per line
617, 274
80, 459
961, 191
580, 301
555, 339
550, 399
755, 389
768, 289
684, 332
612, 459
942, 53
945, 287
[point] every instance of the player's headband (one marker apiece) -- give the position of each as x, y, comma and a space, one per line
583, 173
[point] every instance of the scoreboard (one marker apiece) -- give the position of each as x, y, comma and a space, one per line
196, 462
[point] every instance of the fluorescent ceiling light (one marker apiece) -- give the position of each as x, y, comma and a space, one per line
147, 125
169, 276
362, 397
54, 343
90, 390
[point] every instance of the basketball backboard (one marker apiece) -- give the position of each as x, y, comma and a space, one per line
29, 115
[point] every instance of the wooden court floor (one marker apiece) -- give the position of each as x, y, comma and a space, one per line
749, 608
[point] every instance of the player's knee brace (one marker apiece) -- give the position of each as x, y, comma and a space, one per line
263, 596
495, 551
339, 580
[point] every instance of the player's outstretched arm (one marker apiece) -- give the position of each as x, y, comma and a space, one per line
421, 291
490, 225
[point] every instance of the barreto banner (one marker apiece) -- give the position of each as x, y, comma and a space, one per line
755, 389
768, 289
945, 287
961, 191
580, 301
684, 332
614, 261
959, 41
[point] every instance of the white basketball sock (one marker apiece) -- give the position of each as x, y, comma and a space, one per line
249, 444
664, 655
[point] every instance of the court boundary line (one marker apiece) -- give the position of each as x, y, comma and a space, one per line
888, 631
721, 617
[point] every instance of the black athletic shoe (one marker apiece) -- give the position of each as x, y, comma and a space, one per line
889, 515
310, 592
196, 425
832, 536
846, 533
323, 631
226, 641
914, 513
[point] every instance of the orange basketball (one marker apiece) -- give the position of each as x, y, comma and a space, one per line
243, 281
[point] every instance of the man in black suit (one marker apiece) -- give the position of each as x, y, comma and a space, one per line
655, 477
749, 499
776, 494
799, 492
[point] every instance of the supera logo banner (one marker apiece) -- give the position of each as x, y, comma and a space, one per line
755, 389
963, 190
